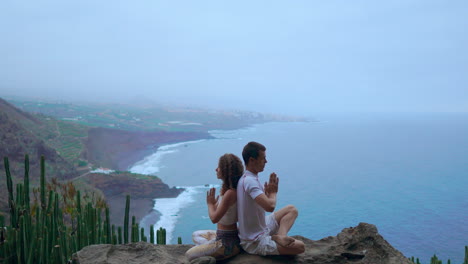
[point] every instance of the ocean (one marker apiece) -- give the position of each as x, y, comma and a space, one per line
405, 173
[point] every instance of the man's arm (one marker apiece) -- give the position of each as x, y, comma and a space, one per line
267, 200
267, 203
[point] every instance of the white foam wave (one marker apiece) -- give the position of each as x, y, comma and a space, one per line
151, 164
231, 134
176, 145
102, 170
169, 208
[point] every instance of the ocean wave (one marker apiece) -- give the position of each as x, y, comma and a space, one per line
176, 145
232, 134
169, 208
102, 170
151, 164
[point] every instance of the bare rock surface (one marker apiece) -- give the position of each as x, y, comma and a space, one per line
355, 245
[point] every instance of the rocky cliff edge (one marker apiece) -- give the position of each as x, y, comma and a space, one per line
355, 245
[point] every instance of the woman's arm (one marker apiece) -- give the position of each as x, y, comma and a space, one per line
217, 212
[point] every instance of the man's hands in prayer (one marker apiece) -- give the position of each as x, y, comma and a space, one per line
272, 186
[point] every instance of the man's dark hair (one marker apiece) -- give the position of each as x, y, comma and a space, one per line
251, 150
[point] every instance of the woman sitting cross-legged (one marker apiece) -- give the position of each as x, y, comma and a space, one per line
224, 242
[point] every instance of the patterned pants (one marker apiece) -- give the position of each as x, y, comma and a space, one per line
220, 244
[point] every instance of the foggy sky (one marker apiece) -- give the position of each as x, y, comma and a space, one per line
276, 56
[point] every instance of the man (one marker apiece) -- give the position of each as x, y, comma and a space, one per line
260, 234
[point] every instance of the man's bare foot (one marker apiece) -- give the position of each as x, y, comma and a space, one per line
285, 241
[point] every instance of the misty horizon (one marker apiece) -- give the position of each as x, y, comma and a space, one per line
299, 58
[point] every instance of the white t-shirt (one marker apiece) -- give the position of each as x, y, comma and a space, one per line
251, 216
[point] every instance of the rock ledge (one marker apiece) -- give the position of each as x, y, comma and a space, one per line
355, 245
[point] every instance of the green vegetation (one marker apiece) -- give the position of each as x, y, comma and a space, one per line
59, 222
66, 137
436, 260
161, 236
148, 117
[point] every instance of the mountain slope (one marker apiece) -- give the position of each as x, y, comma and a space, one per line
19, 136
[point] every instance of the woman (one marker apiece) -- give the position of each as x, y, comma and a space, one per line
224, 242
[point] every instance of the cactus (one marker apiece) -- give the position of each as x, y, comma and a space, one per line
435, 260
42, 182
161, 236
113, 235
79, 236
11, 204
133, 233
179, 240
134, 230
466, 255
158, 237
127, 211
99, 226
108, 227
26, 181
152, 234
142, 234
20, 239
119, 235
137, 233
37, 233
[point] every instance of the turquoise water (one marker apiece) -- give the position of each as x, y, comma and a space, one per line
406, 174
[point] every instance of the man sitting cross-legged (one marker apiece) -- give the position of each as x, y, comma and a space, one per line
260, 234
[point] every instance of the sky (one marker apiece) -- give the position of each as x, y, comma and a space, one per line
289, 57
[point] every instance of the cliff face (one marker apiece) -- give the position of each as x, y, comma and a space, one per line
137, 186
119, 149
355, 245
142, 190
18, 136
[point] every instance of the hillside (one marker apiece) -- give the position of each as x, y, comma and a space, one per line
22, 133
19, 135
72, 149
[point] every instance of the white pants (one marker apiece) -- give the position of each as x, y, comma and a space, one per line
263, 245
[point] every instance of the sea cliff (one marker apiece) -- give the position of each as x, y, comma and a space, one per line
116, 186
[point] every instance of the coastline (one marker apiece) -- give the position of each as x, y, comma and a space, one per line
144, 208
120, 149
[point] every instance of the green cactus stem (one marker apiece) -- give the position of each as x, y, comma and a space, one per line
127, 211
466, 255
119, 232
43, 203
108, 227
152, 234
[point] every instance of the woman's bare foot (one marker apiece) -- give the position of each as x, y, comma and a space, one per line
285, 241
